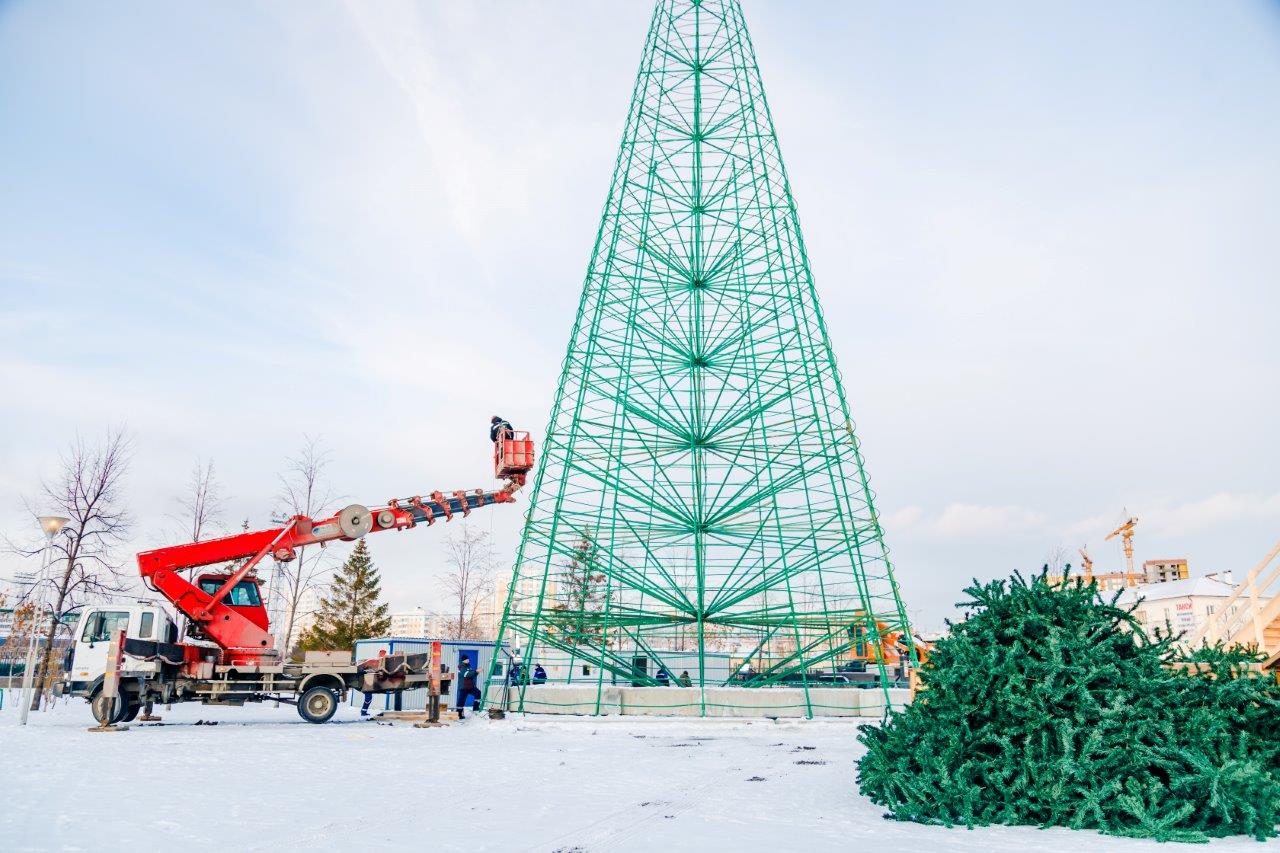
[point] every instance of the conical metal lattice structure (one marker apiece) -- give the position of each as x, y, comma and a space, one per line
701, 515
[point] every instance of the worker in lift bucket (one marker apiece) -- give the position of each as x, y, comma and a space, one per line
499, 428
467, 689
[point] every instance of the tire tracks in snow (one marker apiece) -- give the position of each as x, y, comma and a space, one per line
614, 828
418, 816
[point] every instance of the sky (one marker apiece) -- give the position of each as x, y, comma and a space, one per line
1044, 237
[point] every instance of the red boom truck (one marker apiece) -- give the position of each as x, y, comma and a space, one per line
219, 649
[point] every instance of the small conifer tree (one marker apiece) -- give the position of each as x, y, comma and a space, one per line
351, 610
582, 592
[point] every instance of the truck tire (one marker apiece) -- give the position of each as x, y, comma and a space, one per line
107, 710
131, 712
318, 704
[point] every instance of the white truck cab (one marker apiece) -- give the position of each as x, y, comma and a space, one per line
99, 624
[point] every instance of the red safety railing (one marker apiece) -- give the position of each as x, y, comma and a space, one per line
512, 455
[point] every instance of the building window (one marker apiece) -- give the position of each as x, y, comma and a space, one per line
1208, 610
586, 670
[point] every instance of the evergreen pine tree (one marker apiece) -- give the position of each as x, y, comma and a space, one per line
582, 595
351, 611
1049, 706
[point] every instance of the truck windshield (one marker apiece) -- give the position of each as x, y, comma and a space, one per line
102, 625
243, 594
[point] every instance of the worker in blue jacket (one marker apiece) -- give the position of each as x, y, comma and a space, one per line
468, 691
539, 674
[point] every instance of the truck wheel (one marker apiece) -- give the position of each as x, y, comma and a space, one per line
131, 712
318, 704
106, 710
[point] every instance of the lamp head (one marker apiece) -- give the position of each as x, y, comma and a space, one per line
52, 524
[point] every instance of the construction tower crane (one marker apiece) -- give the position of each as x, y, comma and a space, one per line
1125, 532
1087, 562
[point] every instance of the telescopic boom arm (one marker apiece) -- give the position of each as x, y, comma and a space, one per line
242, 630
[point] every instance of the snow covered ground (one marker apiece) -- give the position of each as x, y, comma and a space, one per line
264, 780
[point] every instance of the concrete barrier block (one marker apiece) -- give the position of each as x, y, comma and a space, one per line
661, 701
872, 701
562, 699
689, 701
836, 701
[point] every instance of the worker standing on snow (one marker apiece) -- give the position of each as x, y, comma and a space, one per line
499, 428
467, 690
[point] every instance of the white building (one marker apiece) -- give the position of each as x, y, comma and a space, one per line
308, 604
1184, 604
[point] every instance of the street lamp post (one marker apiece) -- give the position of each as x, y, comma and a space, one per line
51, 525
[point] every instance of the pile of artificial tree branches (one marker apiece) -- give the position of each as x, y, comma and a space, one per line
1051, 707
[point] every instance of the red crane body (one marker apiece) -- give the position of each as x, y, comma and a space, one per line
228, 609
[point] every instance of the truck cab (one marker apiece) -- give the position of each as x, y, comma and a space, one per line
245, 597
98, 625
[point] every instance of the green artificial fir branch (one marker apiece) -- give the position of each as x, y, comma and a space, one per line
1049, 706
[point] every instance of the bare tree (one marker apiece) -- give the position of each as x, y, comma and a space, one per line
88, 491
303, 491
1056, 559
201, 506
470, 556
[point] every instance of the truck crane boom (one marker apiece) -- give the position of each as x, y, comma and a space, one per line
227, 607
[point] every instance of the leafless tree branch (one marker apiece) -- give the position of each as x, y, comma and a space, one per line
88, 491
200, 508
470, 555
304, 490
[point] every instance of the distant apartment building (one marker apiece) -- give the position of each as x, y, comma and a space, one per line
303, 617
1161, 571
1153, 571
1109, 581
418, 622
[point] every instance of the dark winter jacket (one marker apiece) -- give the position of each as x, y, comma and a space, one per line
467, 678
498, 429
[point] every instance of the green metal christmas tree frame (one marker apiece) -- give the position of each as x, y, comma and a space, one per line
702, 495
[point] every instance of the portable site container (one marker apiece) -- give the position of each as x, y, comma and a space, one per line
479, 652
